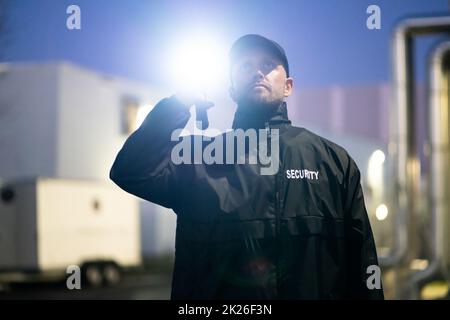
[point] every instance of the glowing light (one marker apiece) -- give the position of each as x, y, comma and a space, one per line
419, 264
381, 212
378, 157
375, 171
435, 290
199, 63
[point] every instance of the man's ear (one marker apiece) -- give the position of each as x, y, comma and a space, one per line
288, 87
232, 93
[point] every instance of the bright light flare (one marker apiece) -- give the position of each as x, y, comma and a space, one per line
375, 170
199, 64
381, 212
378, 157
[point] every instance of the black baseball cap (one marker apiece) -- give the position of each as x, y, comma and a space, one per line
249, 41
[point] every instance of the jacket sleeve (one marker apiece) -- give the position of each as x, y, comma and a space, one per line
362, 261
143, 166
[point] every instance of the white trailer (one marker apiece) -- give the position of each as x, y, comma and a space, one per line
47, 225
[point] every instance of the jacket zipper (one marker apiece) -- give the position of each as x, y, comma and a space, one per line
277, 190
278, 227
277, 215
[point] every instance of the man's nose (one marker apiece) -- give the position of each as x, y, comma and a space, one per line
258, 75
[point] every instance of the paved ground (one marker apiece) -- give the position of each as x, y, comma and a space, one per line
138, 286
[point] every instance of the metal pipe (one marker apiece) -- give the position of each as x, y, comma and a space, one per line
439, 143
403, 142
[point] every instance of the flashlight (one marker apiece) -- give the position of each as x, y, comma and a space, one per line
201, 114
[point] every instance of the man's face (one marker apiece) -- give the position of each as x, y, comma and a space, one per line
259, 78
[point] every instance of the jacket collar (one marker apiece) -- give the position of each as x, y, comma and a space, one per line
246, 118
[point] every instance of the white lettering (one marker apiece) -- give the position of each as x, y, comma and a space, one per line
195, 310
302, 174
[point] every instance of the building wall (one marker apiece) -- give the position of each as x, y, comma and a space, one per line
89, 120
360, 110
28, 113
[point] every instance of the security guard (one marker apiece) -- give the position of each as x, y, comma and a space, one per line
301, 233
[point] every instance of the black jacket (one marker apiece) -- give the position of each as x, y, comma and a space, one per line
243, 235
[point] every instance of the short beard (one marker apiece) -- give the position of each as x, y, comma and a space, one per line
258, 104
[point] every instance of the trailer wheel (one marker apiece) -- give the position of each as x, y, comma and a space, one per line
92, 275
111, 274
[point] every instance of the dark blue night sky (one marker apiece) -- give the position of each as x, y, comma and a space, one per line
327, 41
